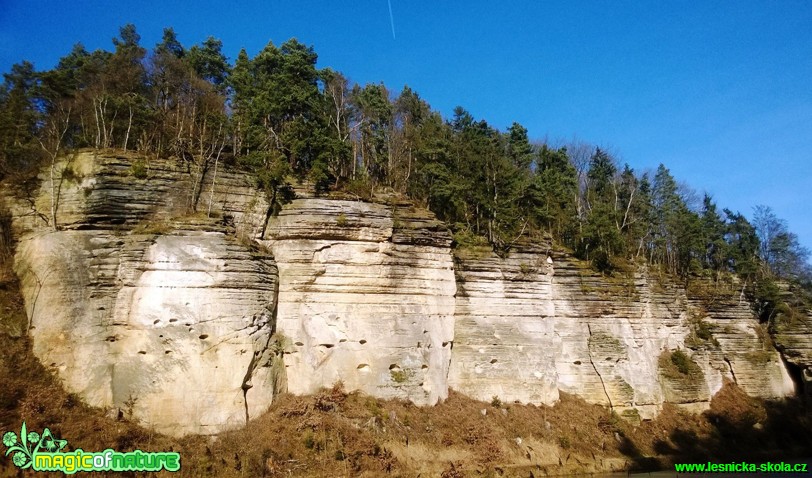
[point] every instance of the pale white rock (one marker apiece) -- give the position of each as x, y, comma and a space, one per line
506, 337
358, 307
525, 332
174, 328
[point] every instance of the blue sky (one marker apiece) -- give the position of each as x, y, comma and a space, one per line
720, 92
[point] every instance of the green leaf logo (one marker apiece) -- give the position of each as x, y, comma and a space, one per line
24, 446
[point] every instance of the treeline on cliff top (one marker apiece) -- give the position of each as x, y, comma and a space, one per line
282, 118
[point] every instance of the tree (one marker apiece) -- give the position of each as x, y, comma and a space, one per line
124, 87
520, 151
209, 62
551, 192
373, 112
600, 177
241, 83
337, 111
19, 116
279, 105
170, 45
677, 229
713, 234
410, 114
779, 249
600, 237
743, 245
432, 181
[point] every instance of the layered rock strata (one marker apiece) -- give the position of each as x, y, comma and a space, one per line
538, 322
137, 305
162, 281
366, 297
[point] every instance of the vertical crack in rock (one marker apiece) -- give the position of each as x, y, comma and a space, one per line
256, 358
261, 352
732, 373
589, 350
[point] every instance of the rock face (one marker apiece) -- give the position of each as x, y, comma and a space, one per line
366, 297
138, 304
794, 338
141, 322
538, 322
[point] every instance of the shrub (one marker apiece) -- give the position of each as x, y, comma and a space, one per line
361, 187
703, 330
465, 238
681, 361
138, 169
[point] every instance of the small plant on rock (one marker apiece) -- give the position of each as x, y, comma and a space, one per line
138, 169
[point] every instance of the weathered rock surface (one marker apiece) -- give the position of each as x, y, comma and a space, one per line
139, 305
538, 322
101, 191
174, 328
364, 298
794, 338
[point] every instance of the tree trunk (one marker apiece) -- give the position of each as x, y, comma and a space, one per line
129, 126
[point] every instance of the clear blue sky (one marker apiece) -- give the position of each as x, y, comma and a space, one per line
721, 92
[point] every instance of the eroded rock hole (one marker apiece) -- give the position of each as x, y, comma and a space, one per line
203, 336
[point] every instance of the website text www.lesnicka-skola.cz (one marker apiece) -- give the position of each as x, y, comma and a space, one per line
742, 467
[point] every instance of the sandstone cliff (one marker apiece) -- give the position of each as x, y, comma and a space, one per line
138, 305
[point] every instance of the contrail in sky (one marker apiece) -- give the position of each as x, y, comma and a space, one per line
391, 18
